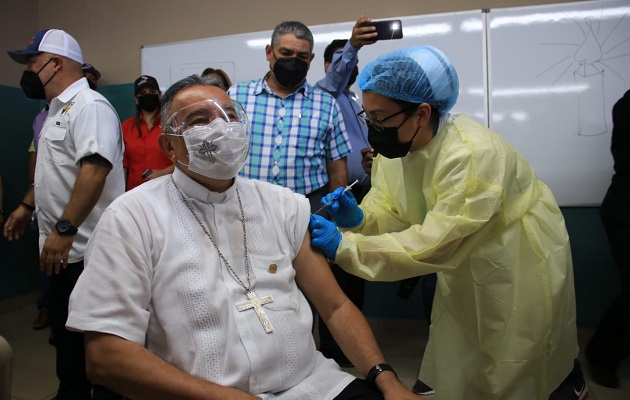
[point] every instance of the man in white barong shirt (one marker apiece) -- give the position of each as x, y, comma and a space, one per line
167, 267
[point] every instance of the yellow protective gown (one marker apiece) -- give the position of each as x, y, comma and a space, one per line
470, 207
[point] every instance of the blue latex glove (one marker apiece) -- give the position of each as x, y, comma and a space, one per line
344, 208
324, 235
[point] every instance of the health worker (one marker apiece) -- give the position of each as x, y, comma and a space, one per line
453, 197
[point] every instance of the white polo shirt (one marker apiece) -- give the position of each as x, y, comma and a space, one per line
81, 122
152, 276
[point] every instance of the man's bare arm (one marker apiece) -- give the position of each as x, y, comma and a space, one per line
344, 320
87, 188
337, 173
137, 373
85, 194
18, 220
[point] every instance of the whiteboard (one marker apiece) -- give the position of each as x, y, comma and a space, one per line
544, 77
242, 57
555, 72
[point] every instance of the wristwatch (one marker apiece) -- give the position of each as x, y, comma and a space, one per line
376, 371
65, 228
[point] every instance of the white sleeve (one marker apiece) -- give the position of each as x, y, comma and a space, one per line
98, 132
298, 213
113, 293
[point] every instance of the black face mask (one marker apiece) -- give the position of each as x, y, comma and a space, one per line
32, 85
290, 71
149, 102
353, 75
386, 142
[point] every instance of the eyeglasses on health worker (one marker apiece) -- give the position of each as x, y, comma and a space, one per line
451, 196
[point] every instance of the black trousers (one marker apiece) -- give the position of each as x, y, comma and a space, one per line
359, 389
610, 343
69, 346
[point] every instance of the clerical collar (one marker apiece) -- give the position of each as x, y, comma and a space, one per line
194, 190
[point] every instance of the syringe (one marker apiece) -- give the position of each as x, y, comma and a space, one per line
344, 191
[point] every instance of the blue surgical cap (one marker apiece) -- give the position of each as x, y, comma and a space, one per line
419, 74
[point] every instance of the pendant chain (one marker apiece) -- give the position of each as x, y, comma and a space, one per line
240, 205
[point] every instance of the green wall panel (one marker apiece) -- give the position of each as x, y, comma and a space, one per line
18, 266
122, 98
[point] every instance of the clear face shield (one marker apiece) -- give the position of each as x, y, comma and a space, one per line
203, 113
216, 133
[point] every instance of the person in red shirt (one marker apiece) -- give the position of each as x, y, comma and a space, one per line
143, 160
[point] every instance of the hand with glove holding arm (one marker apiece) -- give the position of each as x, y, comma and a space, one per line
324, 235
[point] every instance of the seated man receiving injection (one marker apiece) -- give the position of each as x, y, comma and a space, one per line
190, 289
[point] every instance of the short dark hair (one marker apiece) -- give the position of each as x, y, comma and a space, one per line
296, 28
185, 83
332, 47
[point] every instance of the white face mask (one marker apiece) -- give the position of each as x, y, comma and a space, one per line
217, 150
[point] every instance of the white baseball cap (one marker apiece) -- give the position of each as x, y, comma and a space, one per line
54, 41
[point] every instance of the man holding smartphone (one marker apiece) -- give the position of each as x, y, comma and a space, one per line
340, 64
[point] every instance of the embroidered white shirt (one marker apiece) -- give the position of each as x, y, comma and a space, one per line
152, 276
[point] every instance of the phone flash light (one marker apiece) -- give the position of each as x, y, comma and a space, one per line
394, 26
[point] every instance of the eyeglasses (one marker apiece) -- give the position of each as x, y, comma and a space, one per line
378, 123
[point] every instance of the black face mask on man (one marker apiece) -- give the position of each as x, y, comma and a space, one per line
31, 84
386, 142
290, 71
149, 102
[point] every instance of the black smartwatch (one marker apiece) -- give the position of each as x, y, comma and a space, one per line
65, 228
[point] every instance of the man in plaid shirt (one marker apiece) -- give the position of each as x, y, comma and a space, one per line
298, 136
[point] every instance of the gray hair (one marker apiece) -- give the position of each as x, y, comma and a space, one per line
296, 28
185, 83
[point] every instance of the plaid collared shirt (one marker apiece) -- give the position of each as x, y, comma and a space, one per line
292, 139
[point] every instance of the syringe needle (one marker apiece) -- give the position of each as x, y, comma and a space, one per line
350, 185
331, 201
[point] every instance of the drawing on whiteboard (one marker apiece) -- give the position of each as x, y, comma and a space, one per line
589, 64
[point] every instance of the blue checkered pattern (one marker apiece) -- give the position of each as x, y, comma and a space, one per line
293, 138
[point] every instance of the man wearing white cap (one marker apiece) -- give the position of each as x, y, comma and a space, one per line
79, 172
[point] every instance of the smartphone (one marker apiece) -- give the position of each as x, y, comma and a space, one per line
146, 173
387, 29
